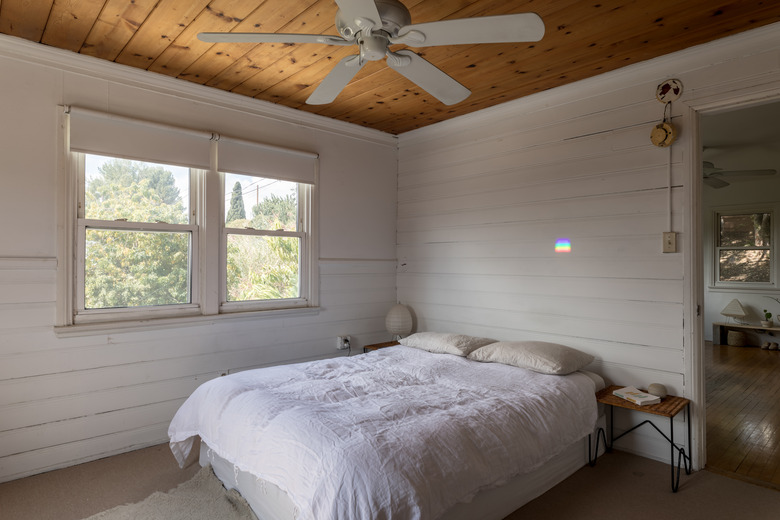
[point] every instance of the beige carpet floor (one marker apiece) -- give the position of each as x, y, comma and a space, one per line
621, 486
80, 491
626, 487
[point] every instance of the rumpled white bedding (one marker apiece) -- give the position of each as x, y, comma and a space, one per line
398, 433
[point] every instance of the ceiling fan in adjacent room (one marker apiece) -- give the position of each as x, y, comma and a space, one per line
713, 175
374, 25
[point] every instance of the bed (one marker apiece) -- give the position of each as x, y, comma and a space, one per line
406, 432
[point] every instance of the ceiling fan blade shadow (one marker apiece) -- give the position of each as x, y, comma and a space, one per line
429, 77
523, 27
335, 81
360, 9
244, 37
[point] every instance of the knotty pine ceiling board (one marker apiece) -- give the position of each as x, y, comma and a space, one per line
582, 39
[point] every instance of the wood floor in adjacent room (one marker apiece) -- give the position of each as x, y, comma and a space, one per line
743, 413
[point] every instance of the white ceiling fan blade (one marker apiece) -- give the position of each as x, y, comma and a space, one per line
709, 168
244, 37
429, 77
747, 172
714, 182
524, 27
335, 81
354, 10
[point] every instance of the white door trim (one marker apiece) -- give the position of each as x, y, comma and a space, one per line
693, 269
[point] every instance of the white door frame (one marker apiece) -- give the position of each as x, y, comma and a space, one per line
693, 268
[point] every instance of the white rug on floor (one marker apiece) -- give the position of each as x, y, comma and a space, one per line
203, 497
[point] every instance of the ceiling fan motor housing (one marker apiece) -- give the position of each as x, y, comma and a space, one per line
393, 14
374, 47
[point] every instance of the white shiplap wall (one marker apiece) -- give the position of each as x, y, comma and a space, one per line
69, 398
483, 198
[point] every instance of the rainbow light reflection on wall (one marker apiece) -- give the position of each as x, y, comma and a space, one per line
563, 245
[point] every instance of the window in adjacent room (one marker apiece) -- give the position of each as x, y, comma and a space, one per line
743, 251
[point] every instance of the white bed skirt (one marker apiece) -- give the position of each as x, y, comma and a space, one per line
271, 503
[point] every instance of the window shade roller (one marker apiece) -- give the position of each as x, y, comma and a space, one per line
118, 136
248, 158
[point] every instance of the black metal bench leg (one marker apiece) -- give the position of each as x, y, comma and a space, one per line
599, 435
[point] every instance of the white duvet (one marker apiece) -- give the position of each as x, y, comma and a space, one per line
399, 433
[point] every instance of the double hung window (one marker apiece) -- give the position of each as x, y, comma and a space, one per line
263, 243
161, 228
135, 235
743, 249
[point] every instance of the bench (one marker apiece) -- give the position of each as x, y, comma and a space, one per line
720, 331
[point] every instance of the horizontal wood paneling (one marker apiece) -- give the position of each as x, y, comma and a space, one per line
482, 200
458, 314
72, 395
59, 396
26, 280
533, 285
88, 448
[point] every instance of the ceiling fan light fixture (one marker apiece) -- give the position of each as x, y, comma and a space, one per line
373, 48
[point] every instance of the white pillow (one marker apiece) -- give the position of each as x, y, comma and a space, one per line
539, 356
444, 343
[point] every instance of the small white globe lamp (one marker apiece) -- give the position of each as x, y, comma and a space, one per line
399, 321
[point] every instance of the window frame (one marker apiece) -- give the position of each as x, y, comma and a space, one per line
208, 257
717, 248
83, 315
303, 233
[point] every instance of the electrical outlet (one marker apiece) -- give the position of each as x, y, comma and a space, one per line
670, 242
342, 343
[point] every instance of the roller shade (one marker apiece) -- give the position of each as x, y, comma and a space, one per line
248, 158
117, 136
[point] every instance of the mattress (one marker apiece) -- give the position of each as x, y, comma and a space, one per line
405, 415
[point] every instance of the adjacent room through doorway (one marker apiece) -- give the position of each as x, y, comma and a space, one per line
740, 202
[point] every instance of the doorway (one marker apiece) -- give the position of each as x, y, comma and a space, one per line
740, 204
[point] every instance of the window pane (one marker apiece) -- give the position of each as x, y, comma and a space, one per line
749, 230
744, 265
136, 268
135, 191
260, 203
262, 267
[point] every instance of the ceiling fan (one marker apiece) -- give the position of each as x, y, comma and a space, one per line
374, 25
712, 174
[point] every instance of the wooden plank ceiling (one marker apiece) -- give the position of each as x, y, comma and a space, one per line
582, 39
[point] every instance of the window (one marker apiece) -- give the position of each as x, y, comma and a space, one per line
263, 239
743, 249
135, 238
144, 197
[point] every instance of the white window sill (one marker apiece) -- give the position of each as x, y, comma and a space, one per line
745, 289
114, 327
